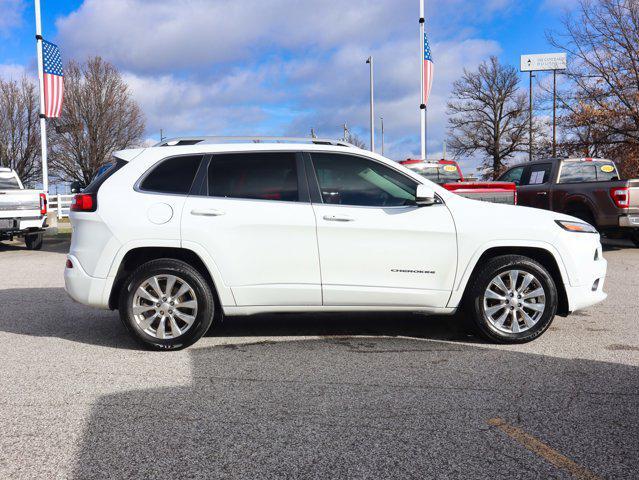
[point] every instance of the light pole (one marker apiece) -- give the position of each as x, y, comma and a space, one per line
381, 117
369, 60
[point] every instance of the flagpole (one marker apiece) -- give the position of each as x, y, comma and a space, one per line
422, 105
43, 122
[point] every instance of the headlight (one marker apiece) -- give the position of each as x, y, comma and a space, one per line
580, 227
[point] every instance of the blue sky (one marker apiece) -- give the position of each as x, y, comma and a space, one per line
280, 67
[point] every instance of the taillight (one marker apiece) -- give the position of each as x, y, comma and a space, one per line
43, 204
83, 202
621, 196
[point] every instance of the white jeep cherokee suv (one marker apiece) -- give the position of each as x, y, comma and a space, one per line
177, 235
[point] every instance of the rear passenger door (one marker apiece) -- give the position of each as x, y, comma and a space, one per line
535, 187
253, 216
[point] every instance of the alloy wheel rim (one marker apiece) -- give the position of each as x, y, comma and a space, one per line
514, 301
164, 306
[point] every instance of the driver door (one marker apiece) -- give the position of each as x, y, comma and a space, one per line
377, 247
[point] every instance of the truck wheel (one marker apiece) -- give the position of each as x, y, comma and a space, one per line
634, 237
512, 299
33, 241
166, 305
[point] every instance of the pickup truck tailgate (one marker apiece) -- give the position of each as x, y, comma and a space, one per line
633, 186
495, 192
19, 203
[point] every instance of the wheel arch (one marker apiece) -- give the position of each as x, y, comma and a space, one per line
136, 256
545, 256
577, 202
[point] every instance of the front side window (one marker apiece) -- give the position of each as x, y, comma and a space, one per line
173, 175
513, 175
255, 175
351, 180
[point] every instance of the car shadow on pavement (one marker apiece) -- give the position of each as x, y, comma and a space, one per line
55, 244
366, 408
50, 312
336, 324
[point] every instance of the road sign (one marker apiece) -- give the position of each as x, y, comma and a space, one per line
544, 61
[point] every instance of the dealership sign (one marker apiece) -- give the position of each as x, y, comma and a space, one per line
544, 61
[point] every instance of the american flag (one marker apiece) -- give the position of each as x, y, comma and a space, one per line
428, 70
53, 80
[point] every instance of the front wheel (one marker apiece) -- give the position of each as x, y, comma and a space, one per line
512, 299
166, 305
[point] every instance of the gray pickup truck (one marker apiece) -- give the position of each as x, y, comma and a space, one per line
22, 212
587, 188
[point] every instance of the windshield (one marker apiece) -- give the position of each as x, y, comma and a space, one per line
437, 173
588, 171
8, 181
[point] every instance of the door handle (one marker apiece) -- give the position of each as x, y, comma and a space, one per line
207, 212
338, 218
542, 193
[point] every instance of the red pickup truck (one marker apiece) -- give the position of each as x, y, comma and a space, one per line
448, 174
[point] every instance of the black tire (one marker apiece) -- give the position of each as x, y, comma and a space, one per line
634, 238
203, 295
474, 298
34, 241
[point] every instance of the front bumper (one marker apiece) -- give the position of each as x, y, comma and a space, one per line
82, 287
590, 292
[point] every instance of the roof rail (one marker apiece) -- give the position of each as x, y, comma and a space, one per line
209, 140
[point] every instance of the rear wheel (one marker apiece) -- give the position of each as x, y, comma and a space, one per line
634, 237
512, 299
166, 305
33, 241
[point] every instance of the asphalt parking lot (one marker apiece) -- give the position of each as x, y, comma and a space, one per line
312, 396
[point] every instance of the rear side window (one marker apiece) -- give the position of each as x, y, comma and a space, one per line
513, 175
103, 174
173, 175
259, 176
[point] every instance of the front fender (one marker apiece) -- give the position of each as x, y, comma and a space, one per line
463, 277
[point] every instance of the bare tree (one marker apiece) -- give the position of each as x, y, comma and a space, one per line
98, 117
601, 103
19, 132
353, 139
488, 115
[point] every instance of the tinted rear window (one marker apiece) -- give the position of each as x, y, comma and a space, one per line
575, 172
8, 182
103, 173
263, 176
173, 175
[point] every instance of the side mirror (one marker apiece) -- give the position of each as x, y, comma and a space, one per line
424, 196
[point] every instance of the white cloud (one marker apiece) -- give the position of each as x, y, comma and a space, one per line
12, 71
283, 66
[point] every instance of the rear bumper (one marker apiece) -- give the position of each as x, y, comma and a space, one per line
629, 221
82, 287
